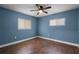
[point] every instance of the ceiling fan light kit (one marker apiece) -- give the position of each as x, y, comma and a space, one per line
40, 11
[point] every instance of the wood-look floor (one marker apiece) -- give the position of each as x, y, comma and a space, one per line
40, 46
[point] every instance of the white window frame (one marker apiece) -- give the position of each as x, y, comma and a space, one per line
24, 24
57, 22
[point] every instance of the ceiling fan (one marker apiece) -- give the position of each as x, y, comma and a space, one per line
41, 9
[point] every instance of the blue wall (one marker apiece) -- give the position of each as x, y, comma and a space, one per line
69, 32
78, 24
40, 26
9, 29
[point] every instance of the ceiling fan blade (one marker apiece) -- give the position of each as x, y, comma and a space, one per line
37, 5
45, 11
48, 7
38, 13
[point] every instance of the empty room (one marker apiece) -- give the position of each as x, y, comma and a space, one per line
39, 28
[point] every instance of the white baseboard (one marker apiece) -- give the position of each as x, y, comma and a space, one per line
68, 43
12, 43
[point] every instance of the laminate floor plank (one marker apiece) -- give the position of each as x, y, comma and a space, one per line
40, 46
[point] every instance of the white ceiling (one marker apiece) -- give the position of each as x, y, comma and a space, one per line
25, 8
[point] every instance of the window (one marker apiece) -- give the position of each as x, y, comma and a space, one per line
57, 22
24, 24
